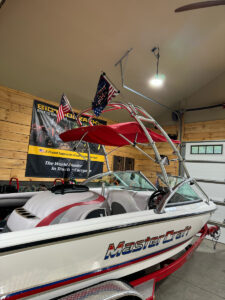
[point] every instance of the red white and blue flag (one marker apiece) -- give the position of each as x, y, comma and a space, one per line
64, 108
105, 92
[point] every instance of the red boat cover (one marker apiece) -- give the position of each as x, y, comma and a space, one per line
109, 134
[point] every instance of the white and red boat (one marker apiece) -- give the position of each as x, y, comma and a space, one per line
113, 225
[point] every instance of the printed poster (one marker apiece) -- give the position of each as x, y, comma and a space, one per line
49, 156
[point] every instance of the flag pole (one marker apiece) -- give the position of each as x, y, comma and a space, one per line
109, 81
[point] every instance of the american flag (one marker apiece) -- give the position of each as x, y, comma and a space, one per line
105, 92
64, 108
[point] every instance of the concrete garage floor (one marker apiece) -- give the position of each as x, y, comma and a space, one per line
201, 277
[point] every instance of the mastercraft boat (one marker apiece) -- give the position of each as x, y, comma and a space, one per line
112, 225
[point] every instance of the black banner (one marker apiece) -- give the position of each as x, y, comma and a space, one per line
48, 156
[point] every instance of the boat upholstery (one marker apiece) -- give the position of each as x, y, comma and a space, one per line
48, 208
121, 201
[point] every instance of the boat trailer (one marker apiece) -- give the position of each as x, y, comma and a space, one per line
143, 287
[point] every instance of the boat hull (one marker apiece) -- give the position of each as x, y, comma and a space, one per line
92, 252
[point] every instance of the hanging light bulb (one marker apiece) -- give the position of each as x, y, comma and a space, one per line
158, 79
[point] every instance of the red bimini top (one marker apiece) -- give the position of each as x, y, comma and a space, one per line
109, 135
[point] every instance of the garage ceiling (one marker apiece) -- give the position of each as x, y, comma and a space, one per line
54, 46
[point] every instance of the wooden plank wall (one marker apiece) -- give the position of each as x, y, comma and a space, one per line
205, 131
15, 119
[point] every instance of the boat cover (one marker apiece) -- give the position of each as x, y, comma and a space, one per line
109, 135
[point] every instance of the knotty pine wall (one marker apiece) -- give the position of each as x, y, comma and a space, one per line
15, 119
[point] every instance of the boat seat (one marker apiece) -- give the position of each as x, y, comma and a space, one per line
94, 213
121, 202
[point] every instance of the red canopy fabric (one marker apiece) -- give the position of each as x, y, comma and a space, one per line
109, 134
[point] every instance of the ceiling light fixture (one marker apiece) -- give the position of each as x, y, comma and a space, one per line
158, 79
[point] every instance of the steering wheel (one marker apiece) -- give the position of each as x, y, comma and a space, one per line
155, 197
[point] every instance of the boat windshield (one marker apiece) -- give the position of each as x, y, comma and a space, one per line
173, 181
121, 179
187, 191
